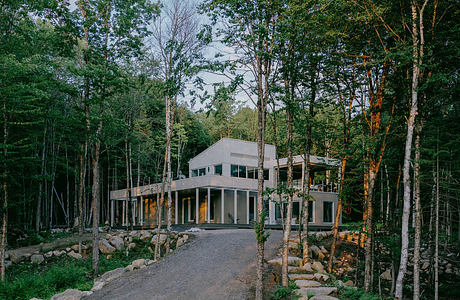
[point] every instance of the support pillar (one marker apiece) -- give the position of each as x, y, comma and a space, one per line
222, 206
247, 206
142, 211
183, 212
176, 207
235, 208
112, 212
208, 206
123, 214
197, 205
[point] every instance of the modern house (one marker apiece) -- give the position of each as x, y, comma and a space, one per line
222, 189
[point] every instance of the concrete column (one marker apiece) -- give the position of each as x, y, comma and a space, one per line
197, 205
123, 214
222, 197
183, 212
208, 206
235, 208
247, 206
176, 207
142, 211
112, 212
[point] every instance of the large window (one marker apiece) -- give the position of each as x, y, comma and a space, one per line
327, 211
252, 172
234, 170
310, 211
218, 170
266, 174
202, 172
194, 173
242, 171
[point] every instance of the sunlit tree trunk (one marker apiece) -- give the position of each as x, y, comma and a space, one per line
418, 216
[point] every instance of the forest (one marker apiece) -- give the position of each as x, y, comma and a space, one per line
101, 95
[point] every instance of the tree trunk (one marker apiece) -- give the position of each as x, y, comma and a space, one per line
436, 241
417, 55
5, 195
418, 213
96, 194
40, 191
368, 276
81, 192
287, 225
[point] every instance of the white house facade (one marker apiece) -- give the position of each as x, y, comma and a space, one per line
222, 189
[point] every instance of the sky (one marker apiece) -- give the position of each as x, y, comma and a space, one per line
207, 77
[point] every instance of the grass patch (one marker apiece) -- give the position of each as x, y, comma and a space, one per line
25, 281
284, 293
356, 294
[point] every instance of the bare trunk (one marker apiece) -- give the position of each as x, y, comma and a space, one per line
287, 225
5, 195
96, 194
368, 276
40, 192
81, 191
436, 241
418, 213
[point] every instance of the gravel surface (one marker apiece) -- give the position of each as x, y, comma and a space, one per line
218, 264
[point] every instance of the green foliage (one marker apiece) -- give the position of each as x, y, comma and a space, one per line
285, 292
356, 294
259, 228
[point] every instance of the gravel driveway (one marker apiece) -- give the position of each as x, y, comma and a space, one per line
218, 264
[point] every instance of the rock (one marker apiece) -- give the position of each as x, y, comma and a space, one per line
292, 261
17, 257
307, 283
316, 265
109, 256
67, 249
295, 277
48, 254
185, 237
386, 275
324, 250
71, 294
117, 242
7, 263
180, 242
321, 277
307, 267
129, 268
163, 238
295, 269
148, 262
293, 245
138, 263
150, 249
105, 247
145, 236
7, 255
323, 297
321, 256
37, 259
74, 255
315, 291
97, 285
132, 246
315, 250
74, 247
58, 253
349, 283
34, 298
448, 271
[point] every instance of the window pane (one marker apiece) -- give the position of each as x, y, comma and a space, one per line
251, 172
234, 170
266, 174
202, 172
194, 173
218, 170
310, 211
242, 171
327, 212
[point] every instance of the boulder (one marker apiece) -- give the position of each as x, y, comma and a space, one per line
7, 263
148, 262
307, 283
386, 275
292, 261
315, 250
37, 259
321, 255
180, 242
295, 277
145, 235
129, 268
315, 291
105, 247
58, 252
132, 246
321, 277
138, 263
324, 250
349, 283
48, 254
323, 297
71, 294
316, 265
74, 255
163, 238
17, 257
117, 242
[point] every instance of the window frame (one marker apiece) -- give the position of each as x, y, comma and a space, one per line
215, 166
332, 212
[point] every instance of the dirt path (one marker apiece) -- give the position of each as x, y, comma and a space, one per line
217, 264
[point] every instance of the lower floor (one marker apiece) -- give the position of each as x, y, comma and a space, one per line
210, 205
